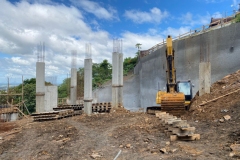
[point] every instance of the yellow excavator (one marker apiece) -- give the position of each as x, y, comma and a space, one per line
176, 100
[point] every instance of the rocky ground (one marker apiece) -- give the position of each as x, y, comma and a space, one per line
131, 135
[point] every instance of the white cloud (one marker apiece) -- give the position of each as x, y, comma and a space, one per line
217, 15
23, 25
131, 39
63, 29
96, 9
194, 20
20, 61
174, 32
155, 15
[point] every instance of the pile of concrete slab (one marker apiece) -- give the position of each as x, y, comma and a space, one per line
176, 128
96, 107
101, 107
44, 116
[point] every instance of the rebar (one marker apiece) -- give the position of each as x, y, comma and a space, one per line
74, 59
88, 52
117, 45
41, 52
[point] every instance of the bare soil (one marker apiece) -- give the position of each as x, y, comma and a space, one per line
135, 135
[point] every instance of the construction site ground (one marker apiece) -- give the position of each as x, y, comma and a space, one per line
134, 135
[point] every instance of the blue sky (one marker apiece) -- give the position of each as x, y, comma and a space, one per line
66, 25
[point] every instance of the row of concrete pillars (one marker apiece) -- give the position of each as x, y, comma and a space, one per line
117, 84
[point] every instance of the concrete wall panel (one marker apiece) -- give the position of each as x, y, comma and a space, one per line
51, 98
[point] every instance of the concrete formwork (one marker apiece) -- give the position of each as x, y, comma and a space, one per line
40, 86
204, 78
51, 98
73, 93
88, 86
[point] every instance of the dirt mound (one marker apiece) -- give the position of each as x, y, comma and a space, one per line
6, 126
222, 100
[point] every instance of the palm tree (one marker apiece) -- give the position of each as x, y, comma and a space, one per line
138, 46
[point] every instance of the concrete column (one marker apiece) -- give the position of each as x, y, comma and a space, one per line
88, 86
73, 93
204, 77
115, 79
40, 86
120, 79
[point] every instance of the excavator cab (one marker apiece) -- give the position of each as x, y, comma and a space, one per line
185, 87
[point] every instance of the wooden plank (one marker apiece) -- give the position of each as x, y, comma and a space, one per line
219, 97
185, 138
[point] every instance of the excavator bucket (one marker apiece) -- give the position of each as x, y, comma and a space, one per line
173, 103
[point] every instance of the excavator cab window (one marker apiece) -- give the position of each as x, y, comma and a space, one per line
186, 88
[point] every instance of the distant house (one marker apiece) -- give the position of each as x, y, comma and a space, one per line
217, 21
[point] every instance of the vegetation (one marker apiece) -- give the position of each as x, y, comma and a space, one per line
101, 73
237, 18
129, 64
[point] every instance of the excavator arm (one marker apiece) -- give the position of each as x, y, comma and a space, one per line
171, 72
177, 97
171, 100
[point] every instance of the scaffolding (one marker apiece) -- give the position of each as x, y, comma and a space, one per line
41, 52
74, 59
9, 107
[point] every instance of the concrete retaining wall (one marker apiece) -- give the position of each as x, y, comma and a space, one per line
221, 47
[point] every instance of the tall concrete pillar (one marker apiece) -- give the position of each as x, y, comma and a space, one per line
88, 86
115, 79
40, 87
120, 79
73, 93
204, 77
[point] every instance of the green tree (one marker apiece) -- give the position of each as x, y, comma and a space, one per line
129, 64
63, 89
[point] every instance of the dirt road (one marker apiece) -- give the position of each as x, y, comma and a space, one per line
136, 135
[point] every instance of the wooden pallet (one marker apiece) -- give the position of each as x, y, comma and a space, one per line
185, 138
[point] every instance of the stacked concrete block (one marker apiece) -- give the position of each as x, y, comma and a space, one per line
176, 128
